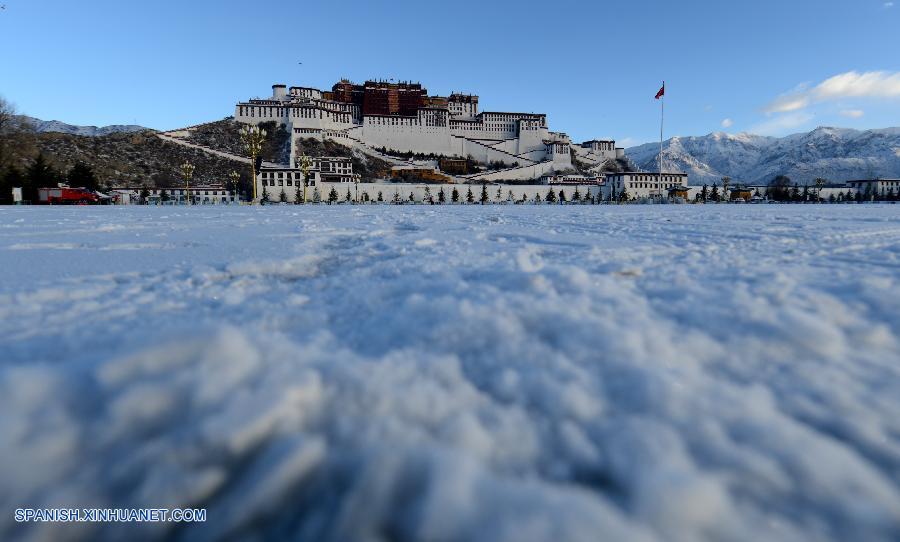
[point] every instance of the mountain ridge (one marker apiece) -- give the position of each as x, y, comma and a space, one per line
836, 154
43, 126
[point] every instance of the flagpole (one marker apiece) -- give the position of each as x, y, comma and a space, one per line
662, 116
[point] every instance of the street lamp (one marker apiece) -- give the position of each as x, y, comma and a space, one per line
187, 172
253, 138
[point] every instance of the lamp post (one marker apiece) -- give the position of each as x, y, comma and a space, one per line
187, 172
356, 189
253, 138
235, 179
305, 164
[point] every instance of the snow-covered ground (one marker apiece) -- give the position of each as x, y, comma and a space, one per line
455, 373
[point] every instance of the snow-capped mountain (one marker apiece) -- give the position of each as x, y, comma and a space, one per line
88, 131
836, 154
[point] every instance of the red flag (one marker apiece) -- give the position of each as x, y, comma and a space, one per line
662, 92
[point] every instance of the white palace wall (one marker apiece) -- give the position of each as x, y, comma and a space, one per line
518, 139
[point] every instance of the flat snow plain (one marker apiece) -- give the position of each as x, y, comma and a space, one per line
522, 373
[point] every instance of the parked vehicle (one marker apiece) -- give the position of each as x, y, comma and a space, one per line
67, 196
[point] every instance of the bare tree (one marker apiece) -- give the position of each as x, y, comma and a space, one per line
7, 118
13, 131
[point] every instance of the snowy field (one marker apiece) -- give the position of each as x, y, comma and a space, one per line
454, 373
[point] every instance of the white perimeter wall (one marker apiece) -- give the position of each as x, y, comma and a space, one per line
403, 190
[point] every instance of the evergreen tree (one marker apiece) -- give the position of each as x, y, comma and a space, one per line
714, 193
779, 188
11, 178
348, 198
562, 197
298, 195
510, 198
317, 196
484, 194
454, 197
442, 198
576, 197
550, 197
831, 198
411, 198
283, 196
624, 196
81, 175
380, 197
499, 194
537, 198
427, 197
396, 199
164, 195
795, 194
263, 200
145, 196
39, 174
805, 196
470, 198
332, 196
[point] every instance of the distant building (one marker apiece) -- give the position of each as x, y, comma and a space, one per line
323, 169
876, 187
573, 179
740, 193
642, 184
210, 194
605, 148
679, 192
425, 173
454, 166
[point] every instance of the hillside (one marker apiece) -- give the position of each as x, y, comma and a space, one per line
835, 154
139, 158
145, 159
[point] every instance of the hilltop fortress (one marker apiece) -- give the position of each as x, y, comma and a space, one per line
402, 117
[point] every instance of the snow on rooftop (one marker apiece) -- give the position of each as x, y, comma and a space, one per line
456, 372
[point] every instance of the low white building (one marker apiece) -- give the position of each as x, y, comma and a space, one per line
875, 188
643, 184
272, 181
573, 179
199, 195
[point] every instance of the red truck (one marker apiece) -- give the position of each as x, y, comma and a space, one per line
67, 196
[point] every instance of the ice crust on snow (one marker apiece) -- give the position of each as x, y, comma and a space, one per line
455, 373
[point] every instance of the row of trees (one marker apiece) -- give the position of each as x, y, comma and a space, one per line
454, 196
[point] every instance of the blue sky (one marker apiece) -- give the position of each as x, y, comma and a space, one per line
766, 66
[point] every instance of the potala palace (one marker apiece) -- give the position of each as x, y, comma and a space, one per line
402, 117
